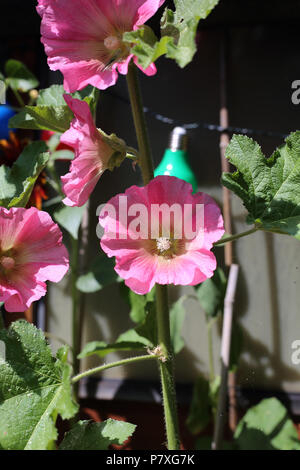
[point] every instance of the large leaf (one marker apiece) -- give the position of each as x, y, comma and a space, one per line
101, 273
51, 112
178, 30
16, 183
139, 305
70, 219
52, 118
269, 188
87, 435
18, 77
267, 426
34, 389
211, 293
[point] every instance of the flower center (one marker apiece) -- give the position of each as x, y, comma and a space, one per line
163, 244
7, 263
112, 43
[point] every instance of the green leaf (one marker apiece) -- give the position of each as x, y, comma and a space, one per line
182, 24
267, 426
70, 219
146, 47
200, 413
177, 315
54, 95
269, 188
101, 274
101, 349
178, 29
35, 388
52, 118
138, 305
16, 183
190, 9
18, 77
148, 328
62, 353
211, 293
87, 435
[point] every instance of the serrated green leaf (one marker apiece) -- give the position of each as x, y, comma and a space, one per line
267, 426
70, 219
211, 293
269, 188
34, 389
178, 30
16, 183
18, 77
100, 274
189, 9
87, 435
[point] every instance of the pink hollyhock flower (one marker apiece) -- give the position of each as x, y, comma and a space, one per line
94, 153
142, 258
31, 252
83, 38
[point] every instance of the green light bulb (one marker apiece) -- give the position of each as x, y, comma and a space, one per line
175, 159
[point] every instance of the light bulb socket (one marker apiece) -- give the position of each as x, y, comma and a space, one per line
178, 139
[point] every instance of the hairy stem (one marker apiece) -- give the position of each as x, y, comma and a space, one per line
76, 334
122, 362
163, 316
167, 367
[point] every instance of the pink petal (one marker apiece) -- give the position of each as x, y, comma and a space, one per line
73, 33
137, 260
91, 154
38, 252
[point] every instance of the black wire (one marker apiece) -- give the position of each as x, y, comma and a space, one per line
202, 125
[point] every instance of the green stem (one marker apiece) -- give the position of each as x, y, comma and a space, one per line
167, 367
210, 324
163, 317
18, 97
235, 237
145, 160
76, 335
122, 362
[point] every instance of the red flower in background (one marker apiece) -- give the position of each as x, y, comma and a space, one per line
10, 150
